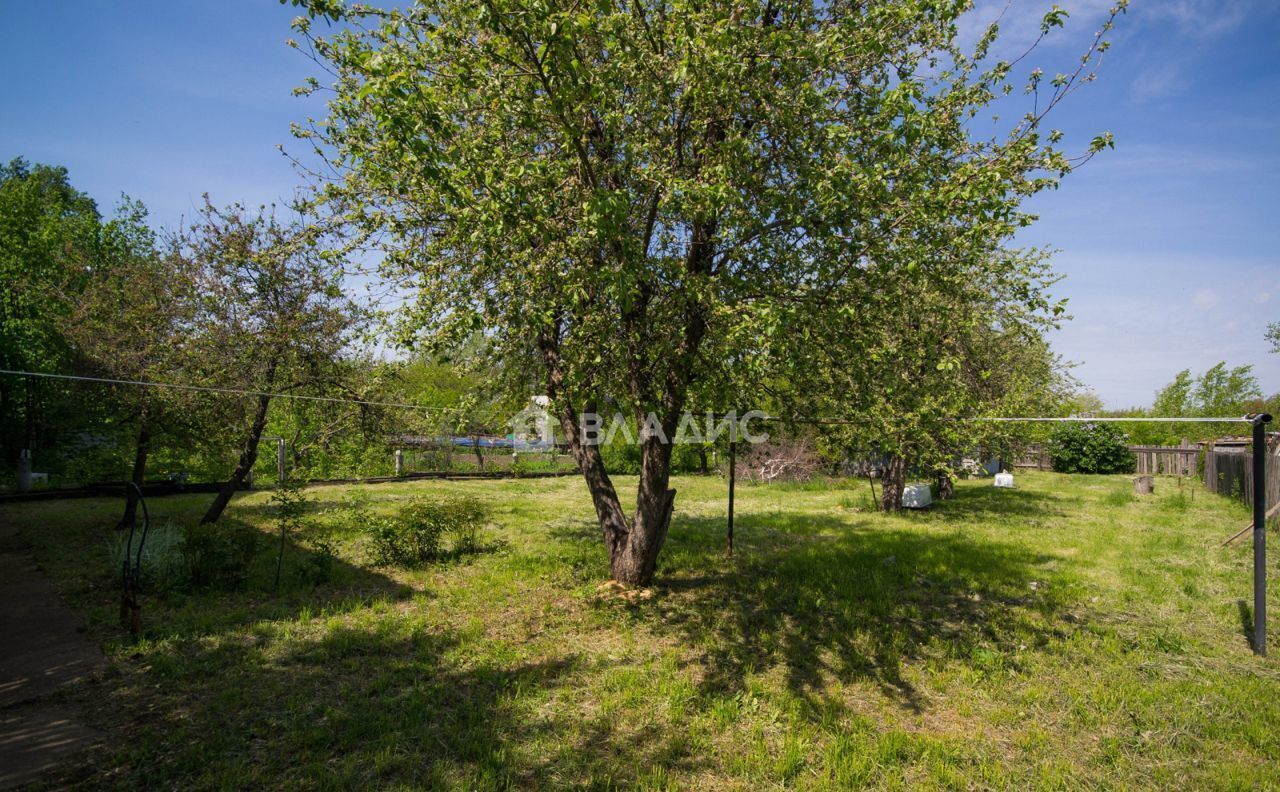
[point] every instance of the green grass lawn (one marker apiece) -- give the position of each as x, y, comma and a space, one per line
1059, 635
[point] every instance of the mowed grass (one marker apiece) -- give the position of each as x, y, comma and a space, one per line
1059, 635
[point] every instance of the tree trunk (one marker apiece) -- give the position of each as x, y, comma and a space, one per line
139, 472
946, 485
248, 456
475, 443
30, 440
635, 560
604, 497
8, 449
891, 483
703, 467
633, 545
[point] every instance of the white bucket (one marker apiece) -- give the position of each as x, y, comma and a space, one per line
916, 496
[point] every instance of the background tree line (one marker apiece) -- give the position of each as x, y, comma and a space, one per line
1221, 390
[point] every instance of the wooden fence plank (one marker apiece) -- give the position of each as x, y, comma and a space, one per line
1150, 460
1231, 474
1166, 460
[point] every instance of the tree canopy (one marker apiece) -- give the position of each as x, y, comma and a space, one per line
1218, 391
47, 227
632, 198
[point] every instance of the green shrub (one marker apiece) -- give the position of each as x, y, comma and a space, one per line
621, 458
352, 515
220, 554
180, 557
417, 533
163, 563
1090, 448
321, 558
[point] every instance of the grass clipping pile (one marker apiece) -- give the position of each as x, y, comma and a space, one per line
612, 590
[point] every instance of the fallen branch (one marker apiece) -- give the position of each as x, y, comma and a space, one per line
1249, 525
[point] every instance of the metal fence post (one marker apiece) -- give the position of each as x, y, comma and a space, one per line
733, 468
24, 470
1260, 532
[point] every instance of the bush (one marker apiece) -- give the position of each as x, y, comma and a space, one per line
322, 556
1090, 448
179, 557
163, 564
416, 534
219, 554
288, 505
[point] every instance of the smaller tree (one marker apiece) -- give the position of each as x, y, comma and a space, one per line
1174, 399
1219, 391
1090, 448
1083, 404
272, 318
1222, 391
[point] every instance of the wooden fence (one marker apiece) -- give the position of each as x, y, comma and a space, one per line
1224, 472
1231, 474
1162, 460
1166, 460
1034, 457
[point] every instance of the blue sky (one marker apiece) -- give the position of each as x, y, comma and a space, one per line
1170, 245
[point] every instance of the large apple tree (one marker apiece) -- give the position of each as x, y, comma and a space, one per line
628, 198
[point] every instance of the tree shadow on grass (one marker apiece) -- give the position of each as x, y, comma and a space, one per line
355, 692
381, 703
344, 685
825, 598
80, 555
1245, 612
991, 503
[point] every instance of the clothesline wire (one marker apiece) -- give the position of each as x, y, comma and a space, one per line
772, 418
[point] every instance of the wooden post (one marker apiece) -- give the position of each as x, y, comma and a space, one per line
399, 463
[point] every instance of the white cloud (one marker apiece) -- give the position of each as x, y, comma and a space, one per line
1200, 18
1130, 339
1205, 298
1020, 21
1157, 82
1165, 159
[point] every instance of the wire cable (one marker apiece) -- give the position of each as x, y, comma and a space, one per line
1195, 419
774, 418
232, 391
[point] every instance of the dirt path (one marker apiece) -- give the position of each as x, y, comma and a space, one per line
43, 646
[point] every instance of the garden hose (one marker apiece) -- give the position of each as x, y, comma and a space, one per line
131, 574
